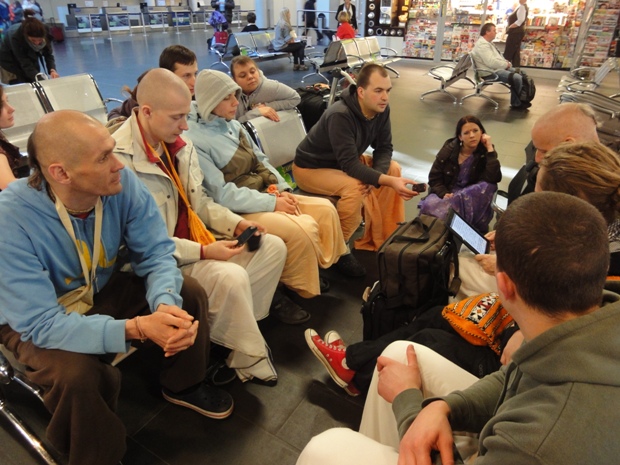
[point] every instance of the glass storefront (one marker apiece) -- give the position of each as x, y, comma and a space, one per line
443, 30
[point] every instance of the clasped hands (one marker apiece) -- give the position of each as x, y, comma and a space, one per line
170, 327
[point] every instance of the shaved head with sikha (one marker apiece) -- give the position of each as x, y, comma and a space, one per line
568, 122
61, 136
73, 153
164, 103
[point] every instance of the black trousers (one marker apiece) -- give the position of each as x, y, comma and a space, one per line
298, 50
512, 52
431, 330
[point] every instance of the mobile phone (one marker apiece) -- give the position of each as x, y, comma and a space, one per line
246, 235
436, 458
420, 187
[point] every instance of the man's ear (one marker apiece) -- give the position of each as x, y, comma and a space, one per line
58, 173
506, 286
145, 110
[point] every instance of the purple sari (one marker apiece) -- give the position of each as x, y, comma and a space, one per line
472, 202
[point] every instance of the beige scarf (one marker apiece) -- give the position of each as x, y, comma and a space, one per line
81, 299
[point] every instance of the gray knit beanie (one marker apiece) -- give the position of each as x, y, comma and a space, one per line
211, 88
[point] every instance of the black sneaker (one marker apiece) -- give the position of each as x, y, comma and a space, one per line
287, 311
207, 400
323, 285
349, 266
220, 374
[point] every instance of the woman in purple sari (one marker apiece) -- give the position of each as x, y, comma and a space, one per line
464, 176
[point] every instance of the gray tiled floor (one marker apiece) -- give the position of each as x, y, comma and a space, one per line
271, 425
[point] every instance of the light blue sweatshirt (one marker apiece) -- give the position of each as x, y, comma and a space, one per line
39, 263
217, 142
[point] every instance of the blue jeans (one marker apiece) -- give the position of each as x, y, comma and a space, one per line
515, 89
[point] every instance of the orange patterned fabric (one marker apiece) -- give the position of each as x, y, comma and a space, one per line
480, 320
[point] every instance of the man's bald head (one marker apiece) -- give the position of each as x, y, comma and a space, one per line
574, 122
158, 87
164, 103
59, 137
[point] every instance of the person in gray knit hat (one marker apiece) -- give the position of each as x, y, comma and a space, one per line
238, 175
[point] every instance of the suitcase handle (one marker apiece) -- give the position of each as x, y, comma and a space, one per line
423, 238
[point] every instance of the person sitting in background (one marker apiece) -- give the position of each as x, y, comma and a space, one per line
240, 284
238, 176
285, 40
176, 58
260, 96
330, 161
464, 176
24, 47
10, 157
345, 31
181, 61
553, 257
251, 26
486, 56
590, 171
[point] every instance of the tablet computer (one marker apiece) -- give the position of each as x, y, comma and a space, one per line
476, 242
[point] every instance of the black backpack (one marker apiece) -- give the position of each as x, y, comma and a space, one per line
528, 89
414, 275
313, 104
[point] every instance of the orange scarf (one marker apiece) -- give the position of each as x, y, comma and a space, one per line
198, 232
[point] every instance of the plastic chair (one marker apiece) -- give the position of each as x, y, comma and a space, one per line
7, 376
448, 75
484, 78
29, 108
354, 60
382, 55
587, 77
77, 92
11, 371
278, 140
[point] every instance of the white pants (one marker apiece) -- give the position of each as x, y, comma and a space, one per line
240, 291
474, 280
377, 442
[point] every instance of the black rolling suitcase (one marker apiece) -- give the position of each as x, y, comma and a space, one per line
418, 269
